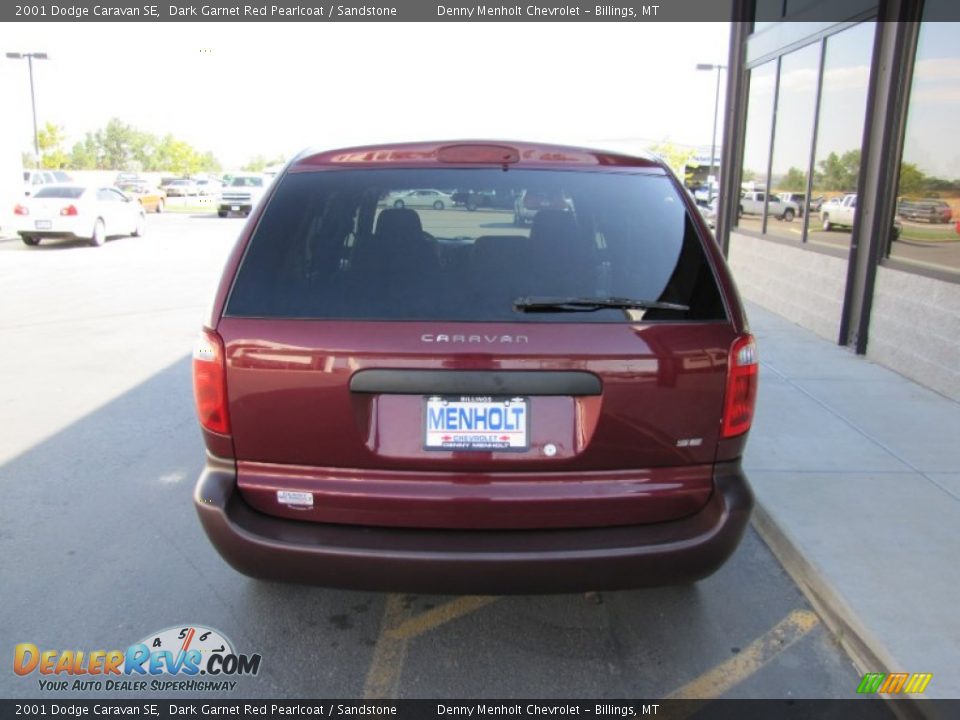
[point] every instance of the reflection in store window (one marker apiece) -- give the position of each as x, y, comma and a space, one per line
756, 149
843, 108
928, 207
796, 105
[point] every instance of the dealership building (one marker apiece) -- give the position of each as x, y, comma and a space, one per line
849, 112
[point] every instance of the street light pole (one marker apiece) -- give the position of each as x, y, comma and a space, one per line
716, 111
33, 98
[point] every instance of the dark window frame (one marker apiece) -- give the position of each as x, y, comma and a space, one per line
898, 117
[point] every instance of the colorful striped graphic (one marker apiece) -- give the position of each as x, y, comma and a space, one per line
893, 683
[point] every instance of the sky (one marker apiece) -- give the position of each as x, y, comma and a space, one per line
247, 89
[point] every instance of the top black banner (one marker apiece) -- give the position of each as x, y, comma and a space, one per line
445, 11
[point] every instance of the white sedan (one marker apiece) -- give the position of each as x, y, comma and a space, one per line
76, 211
437, 199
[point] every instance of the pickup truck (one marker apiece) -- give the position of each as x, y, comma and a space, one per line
933, 211
751, 203
241, 194
838, 212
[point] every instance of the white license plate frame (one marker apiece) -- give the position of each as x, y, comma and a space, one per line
471, 431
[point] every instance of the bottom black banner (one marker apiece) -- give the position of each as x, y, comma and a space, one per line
854, 709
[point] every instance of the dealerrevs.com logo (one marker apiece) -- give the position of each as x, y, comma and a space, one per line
185, 658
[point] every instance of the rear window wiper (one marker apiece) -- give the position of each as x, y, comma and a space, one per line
590, 304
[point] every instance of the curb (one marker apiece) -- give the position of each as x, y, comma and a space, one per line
867, 653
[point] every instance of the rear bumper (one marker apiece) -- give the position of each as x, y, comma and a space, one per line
473, 561
53, 234
59, 227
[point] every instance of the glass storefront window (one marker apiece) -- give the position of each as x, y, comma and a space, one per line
766, 12
793, 138
756, 148
843, 108
928, 202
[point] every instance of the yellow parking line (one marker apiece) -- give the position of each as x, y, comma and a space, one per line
761, 651
438, 616
397, 627
383, 677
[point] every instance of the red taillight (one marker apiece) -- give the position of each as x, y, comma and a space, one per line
741, 392
69, 210
210, 383
19, 209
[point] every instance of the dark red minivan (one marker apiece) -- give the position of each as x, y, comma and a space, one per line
457, 400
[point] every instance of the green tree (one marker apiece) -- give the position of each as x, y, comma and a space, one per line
674, 156
258, 163
795, 180
209, 163
838, 173
176, 156
912, 180
85, 153
119, 146
118, 141
50, 138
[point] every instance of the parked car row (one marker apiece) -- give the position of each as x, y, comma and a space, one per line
190, 187
151, 198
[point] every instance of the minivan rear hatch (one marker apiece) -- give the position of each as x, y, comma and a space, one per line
566, 371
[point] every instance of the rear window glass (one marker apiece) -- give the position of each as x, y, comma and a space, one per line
451, 244
59, 191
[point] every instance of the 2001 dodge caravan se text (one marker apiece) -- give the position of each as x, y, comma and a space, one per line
425, 400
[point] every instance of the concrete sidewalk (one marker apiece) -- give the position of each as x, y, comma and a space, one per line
857, 476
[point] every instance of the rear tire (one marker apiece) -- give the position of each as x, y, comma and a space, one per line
221, 213
29, 240
99, 234
438, 205
788, 215
827, 225
159, 207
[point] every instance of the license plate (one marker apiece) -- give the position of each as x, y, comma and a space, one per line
235, 208
43, 224
476, 423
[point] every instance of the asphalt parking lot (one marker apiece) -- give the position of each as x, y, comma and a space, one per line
100, 545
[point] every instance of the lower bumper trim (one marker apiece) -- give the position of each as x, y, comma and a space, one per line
473, 561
